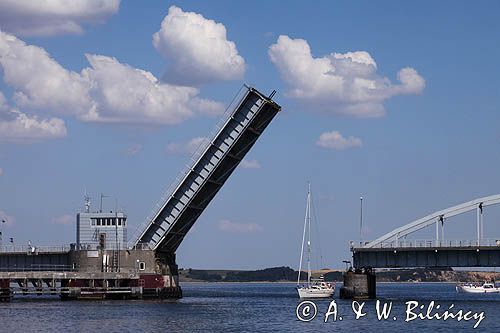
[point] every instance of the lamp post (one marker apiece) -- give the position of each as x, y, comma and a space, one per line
361, 219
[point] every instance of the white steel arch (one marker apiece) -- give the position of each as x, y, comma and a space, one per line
439, 217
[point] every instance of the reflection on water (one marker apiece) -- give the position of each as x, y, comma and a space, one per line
242, 307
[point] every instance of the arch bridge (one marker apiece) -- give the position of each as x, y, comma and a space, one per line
395, 250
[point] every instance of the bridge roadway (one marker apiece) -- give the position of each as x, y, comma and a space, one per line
427, 256
395, 250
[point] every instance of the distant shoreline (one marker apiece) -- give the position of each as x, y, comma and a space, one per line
288, 275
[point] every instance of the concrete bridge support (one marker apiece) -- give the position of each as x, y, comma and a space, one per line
5, 291
170, 272
359, 284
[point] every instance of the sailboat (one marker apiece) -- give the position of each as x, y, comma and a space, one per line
313, 288
474, 288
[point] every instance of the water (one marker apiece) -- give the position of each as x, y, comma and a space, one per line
243, 307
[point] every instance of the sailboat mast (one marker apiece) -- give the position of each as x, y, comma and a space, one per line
308, 209
303, 241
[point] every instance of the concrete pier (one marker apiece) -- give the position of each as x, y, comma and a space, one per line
89, 274
5, 292
359, 284
85, 285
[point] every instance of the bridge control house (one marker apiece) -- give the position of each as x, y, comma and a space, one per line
101, 230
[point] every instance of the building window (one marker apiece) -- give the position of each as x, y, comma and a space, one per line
92, 221
142, 266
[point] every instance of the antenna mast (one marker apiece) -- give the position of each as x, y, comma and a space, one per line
87, 202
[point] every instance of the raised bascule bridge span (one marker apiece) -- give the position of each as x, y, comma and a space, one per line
102, 264
396, 250
209, 169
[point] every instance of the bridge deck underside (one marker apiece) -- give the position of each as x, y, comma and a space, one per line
206, 177
429, 257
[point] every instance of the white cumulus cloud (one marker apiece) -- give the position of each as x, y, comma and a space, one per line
121, 93
342, 83
107, 91
16, 126
24, 128
39, 80
335, 140
249, 164
197, 49
188, 147
240, 228
53, 17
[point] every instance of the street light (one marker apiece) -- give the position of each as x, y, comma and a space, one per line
361, 219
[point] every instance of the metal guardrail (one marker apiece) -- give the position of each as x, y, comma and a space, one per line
426, 243
34, 249
112, 247
228, 113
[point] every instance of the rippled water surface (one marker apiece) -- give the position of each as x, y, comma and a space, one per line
245, 307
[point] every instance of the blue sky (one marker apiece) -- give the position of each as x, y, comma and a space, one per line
410, 148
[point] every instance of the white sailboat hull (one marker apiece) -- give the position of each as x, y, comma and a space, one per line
477, 289
305, 292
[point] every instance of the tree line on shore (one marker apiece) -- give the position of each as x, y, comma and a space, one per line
287, 274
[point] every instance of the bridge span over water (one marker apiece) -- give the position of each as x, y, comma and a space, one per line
396, 250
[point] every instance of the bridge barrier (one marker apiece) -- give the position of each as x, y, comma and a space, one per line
32, 249
427, 243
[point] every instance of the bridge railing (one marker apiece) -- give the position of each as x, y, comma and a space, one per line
32, 249
35, 250
427, 243
111, 246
